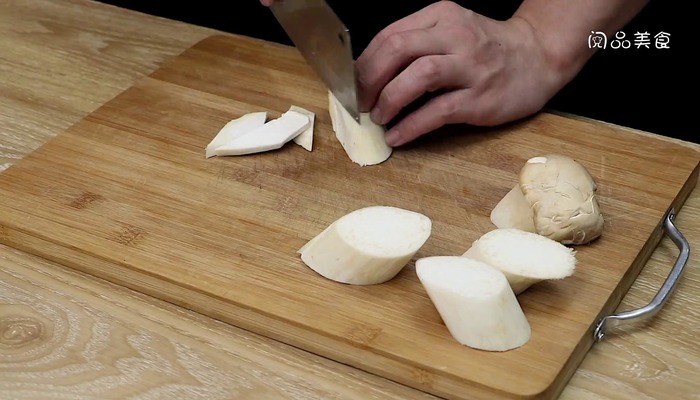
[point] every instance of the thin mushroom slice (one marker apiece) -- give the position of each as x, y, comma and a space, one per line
270, 136
234, 129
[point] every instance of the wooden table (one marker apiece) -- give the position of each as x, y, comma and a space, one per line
66, 335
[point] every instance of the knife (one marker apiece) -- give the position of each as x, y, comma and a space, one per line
324, 42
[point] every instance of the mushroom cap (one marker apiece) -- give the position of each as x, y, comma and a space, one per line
562, 195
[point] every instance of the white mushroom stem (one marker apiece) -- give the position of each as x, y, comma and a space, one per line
525, 258
368, 246
513, 211
364, 142
475, 302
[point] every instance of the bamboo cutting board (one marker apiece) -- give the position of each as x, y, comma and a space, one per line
127, 195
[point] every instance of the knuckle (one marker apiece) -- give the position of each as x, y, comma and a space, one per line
448, 107
446, 7
395, 44
383, 35
467, 13
429, 71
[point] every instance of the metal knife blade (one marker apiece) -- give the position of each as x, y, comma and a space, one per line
324, 42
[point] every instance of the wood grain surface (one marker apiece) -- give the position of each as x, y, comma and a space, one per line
64, 337
127, 195
658, 361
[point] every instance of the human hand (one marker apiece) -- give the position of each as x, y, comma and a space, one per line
489, 72
268, 3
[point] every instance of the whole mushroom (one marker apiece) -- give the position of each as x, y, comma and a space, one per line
556, 198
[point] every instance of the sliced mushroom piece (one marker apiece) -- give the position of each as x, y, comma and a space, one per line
306, 138
234, 129
363, 141
270, 136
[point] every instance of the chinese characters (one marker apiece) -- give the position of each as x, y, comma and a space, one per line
640, 40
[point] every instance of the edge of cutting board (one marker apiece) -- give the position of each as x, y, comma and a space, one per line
305, 340
288, 333
624, 285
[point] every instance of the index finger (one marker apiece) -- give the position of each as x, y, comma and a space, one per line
393, 55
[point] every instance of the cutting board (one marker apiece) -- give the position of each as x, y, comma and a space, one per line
126, 194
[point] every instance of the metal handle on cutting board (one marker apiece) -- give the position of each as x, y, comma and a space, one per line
651, 309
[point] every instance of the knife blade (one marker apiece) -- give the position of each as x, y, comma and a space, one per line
324, 42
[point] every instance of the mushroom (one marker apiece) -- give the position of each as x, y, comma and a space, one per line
556, 198
363, 141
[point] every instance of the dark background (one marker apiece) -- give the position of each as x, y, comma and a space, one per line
647, 89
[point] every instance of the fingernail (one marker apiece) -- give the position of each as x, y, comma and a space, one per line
393, 138
376, 116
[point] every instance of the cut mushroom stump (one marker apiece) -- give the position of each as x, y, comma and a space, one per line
475, 302
368, 246
525, 258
